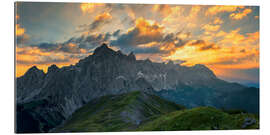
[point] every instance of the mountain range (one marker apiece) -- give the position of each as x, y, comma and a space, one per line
114, 90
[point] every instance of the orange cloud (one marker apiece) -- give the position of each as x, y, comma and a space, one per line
253, 36
221, 34
148, 27
219, 9
226, 57
99, 21
103, 16
234, 38
31, 51
232, 51
19, 30
202, 45
176, 13
33, 55
182, 35
218, 21
170, 47
21, 36
144, 32
164, 9
90, 7
182, 17
131, 14
194, 11
239, 16
17, 17
151, 44
210, 27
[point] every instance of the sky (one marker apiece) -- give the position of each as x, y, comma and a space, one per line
224, 38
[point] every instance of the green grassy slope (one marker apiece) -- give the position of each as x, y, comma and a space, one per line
117, 113
139, 111
201, 118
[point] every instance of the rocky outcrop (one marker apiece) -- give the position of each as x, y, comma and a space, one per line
248, 122
131, 56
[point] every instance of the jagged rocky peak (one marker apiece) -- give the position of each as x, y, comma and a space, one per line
103, 50
170, 62
34, 71
202, 68
119, 52
148, 60
52, 68
131, 56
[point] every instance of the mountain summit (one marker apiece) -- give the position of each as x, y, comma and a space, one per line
103, 50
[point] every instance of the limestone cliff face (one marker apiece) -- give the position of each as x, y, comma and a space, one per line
29, 85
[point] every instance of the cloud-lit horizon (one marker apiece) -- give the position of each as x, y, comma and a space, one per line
224, 38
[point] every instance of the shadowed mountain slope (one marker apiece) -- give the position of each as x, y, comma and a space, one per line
117, 113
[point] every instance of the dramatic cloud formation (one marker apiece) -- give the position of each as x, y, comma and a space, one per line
148, 36
165, 10
21, 36
194, 12
209, 27
91, 41
203, 45
19, 31
144, 31
63, 47
218, 21
90, 7
219, 9
17, 17
218, 36
98, 22
239, 16
234, 38
233, 51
